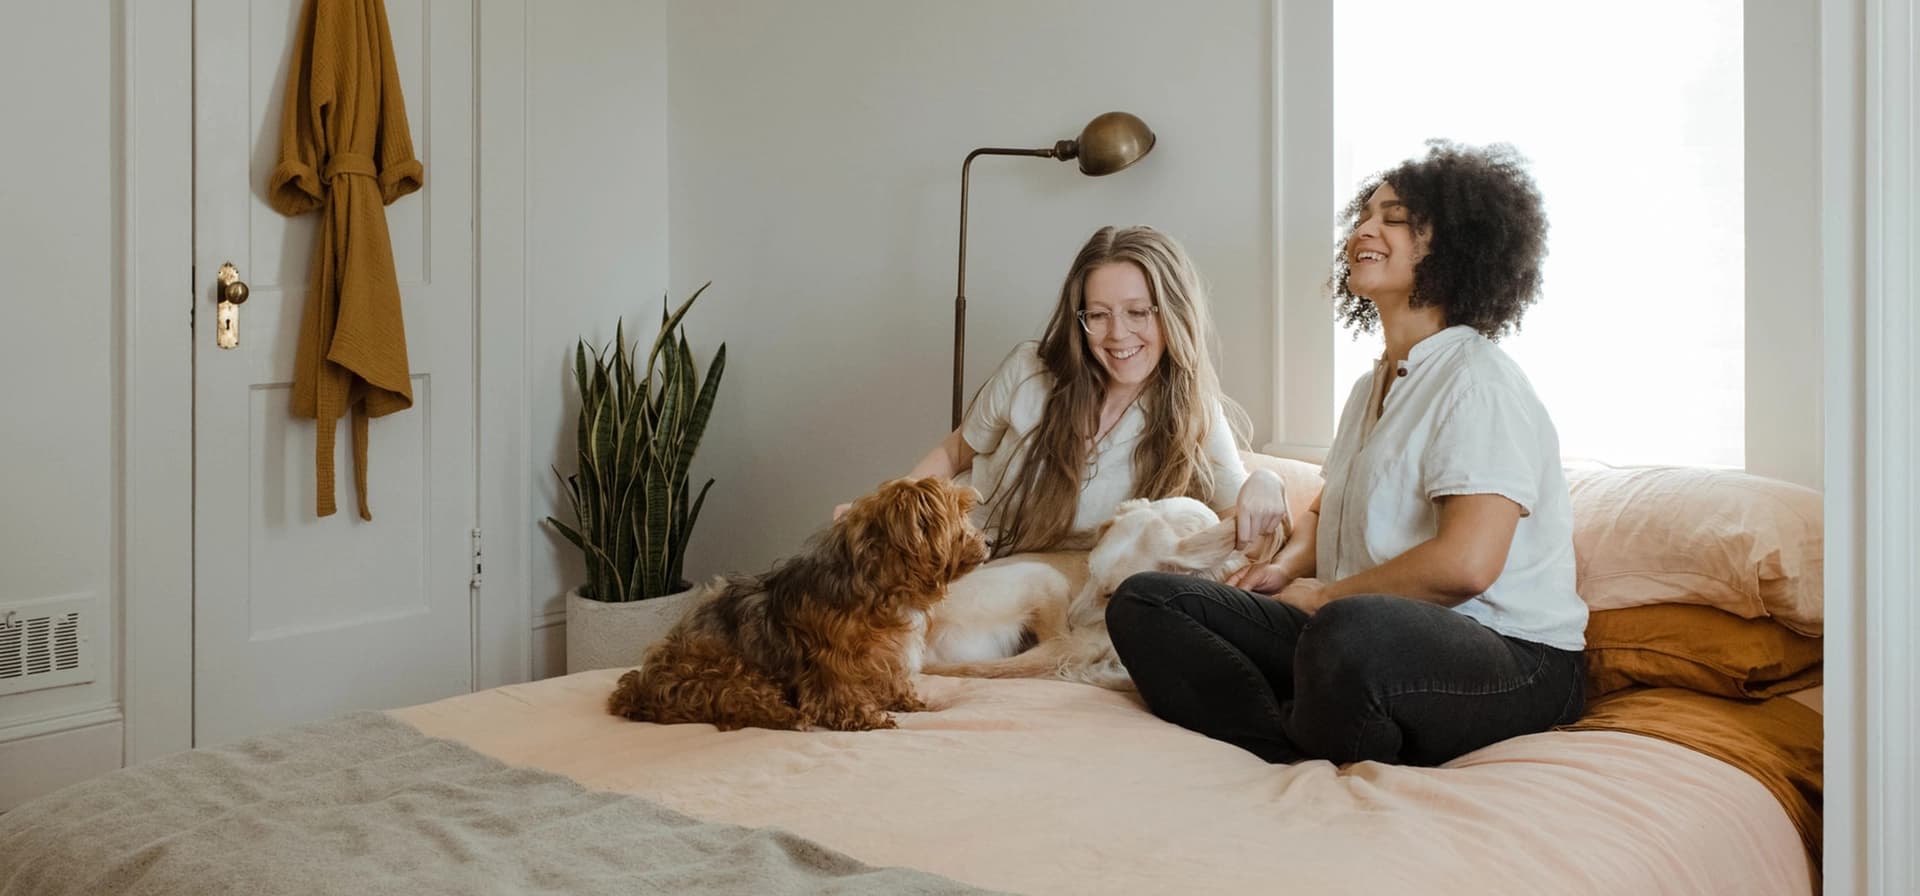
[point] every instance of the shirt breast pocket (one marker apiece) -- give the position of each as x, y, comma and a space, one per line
1398, 512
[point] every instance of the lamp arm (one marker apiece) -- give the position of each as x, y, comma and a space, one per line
1065, 149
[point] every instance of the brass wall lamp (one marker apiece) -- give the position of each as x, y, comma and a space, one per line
1109, 143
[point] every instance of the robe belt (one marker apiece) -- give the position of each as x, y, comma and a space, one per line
344, 163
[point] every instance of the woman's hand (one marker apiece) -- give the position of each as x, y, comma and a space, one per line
1260, 578
1261, 508
1309, 595
948, 459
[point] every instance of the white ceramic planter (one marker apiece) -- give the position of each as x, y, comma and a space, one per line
606, 636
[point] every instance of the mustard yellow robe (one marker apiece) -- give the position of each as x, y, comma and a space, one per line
345, 150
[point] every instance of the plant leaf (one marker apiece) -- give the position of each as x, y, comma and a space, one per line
702, 408
672, 323
658, 531
693, 516
639, 425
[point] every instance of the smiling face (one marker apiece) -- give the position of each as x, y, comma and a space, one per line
1383, 250
1129, 352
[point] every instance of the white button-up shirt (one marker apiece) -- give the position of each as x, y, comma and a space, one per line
1460, 419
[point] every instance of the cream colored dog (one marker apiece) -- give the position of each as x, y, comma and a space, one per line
1058, 602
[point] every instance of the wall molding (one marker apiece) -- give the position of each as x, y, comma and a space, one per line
1780, 81
66, 719
504, 645
154, 627
82, 747
1300, 51
1891, 501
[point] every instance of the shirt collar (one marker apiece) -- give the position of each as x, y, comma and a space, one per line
1428, 347
1132, 422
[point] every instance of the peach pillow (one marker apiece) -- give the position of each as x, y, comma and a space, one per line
1745, 544
1697, 648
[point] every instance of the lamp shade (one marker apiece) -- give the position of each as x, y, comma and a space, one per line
1111, 142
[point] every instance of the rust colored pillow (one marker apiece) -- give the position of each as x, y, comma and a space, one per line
1698, 648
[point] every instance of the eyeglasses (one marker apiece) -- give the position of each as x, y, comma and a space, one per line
1100, 323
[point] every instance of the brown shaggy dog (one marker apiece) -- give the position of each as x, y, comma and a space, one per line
829, 638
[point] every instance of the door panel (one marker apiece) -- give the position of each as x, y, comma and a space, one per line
297, 617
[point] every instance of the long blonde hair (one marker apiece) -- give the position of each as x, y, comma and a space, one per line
1038, 510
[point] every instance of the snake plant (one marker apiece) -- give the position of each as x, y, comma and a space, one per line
638, 429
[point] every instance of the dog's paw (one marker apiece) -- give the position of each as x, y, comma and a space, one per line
872, 721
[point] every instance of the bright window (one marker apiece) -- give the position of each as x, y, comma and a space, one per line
1632, 115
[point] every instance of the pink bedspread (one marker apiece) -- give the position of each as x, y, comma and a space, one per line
1046, 787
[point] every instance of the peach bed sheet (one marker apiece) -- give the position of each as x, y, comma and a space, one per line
1048, 787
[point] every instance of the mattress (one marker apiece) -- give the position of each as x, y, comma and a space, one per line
1050, 787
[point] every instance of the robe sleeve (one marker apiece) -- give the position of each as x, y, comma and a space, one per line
400, 172
294, 188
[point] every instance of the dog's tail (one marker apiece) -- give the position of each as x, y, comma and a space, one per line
1067, 659
1039, 661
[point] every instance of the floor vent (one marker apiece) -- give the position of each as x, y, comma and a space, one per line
44, 643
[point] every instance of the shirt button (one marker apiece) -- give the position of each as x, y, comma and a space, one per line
1403, 371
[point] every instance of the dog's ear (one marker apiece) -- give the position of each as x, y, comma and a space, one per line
1204, 550
1100, 531
1125, 507
909, 539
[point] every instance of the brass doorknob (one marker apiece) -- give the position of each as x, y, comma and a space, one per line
232, 288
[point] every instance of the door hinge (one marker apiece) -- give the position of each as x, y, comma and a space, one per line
474, 583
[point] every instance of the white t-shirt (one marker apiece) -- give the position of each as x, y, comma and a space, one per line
1008, 409
1460, 419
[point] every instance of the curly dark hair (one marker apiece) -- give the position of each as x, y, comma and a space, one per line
1489, 236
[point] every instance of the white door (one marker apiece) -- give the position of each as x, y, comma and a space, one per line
298, 618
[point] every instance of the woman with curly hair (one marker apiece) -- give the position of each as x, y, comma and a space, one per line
1425, 606
1118, 399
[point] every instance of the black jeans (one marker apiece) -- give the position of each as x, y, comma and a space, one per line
1367, 677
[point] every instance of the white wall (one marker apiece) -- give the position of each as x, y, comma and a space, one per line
59, 354
596, 232
1783, 435
815, 166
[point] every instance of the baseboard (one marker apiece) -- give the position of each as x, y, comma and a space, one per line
64, 720
38, 764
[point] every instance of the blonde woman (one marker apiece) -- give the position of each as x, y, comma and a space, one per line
1118, 399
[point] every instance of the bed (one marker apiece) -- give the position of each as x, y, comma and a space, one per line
1038, 787
1050, 787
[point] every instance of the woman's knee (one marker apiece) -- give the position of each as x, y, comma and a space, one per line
1347, 640
1146, 590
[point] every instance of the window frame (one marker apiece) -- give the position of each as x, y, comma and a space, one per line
1781, 394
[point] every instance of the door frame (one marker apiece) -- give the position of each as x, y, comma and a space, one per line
161, 292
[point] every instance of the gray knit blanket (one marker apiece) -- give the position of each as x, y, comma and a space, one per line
365, 804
